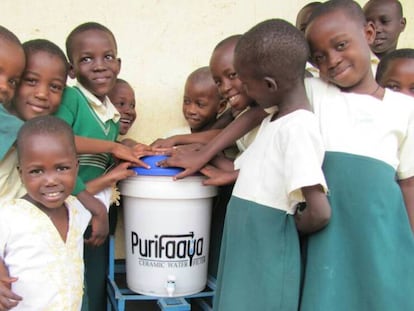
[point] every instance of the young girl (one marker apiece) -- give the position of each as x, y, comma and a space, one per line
260, 258
363, 259
41, 234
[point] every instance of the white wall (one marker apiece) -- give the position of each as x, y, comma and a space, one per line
160, 41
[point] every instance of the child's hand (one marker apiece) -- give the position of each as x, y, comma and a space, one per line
100, 229
120, 172
8, 299
191, 161
164, 142
218, 177
129, 154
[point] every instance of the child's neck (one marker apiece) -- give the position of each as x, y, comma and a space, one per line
367, 86
294, 99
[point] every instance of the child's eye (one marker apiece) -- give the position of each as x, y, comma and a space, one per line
14, 82
385, 21
318, 59
109, 57
30, 81
62, 168
186, 101
56, 87
394, 87
233, 75
217, 82
201, 104
341, 46
36, 171
86, 59
120, 105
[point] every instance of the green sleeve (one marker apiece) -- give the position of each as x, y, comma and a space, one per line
79, 187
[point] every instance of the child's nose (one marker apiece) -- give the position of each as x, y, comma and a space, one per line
333, 59
99, 64
42, 92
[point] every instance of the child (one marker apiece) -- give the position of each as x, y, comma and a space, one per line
201, 103
12, 62
363, 259
40, 93
122, 96
41, 234
387, 16
260, 255
302, 20
92, 53
396, 71
304, 13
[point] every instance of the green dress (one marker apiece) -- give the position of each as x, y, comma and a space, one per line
365, 262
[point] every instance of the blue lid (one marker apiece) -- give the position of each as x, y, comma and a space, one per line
156, 170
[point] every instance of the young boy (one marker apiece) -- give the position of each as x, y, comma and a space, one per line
363, 259
41, 234
122, 96
260, 254
389, 21
92, 52
201, 103
396, 71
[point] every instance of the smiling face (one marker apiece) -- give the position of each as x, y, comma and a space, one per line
226, 78
339, 48
12, 63
399, 76
48, 169
94, 62
388, 23
43, 81
122, 97
201, 104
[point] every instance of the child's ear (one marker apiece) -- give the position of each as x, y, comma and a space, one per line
72, 74
403, 23
370, 32
271, 84
119, 65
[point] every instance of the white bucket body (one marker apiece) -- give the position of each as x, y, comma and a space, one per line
167, 228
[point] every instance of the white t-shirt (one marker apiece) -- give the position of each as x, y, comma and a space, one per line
286, 155
364, 125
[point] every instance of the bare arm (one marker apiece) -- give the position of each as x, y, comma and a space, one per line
109, 179
185, 139
317, 213
100, 223
8, 299
407, 189
194, 161
120, 151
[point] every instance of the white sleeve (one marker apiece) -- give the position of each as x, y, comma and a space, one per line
303, 157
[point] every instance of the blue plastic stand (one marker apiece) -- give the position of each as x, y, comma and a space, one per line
118, 295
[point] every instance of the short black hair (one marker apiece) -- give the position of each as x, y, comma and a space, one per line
7, 35
274, 48
82, 28
45, 125
232, 39
349, 7
389, 57
43, 45
396, 2
201, 73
